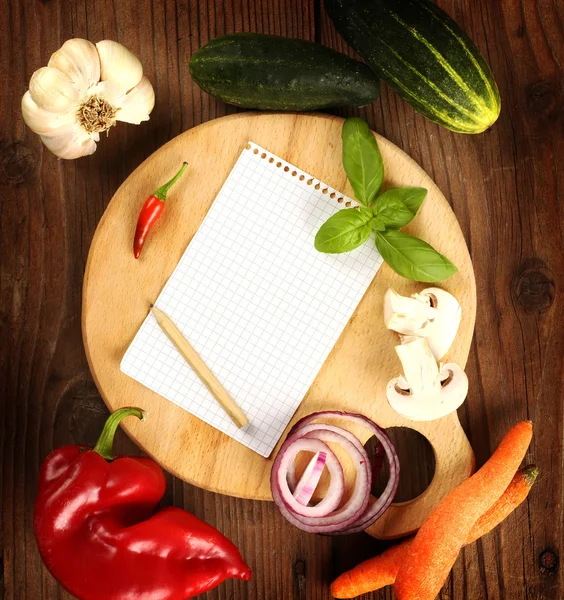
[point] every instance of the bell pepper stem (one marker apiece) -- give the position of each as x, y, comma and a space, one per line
163, 190
104, 446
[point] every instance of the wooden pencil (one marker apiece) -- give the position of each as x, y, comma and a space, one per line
199, 366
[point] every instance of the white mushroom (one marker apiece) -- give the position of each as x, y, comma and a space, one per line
426, 391
432, 314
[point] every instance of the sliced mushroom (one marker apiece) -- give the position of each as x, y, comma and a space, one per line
425, 391
432, 314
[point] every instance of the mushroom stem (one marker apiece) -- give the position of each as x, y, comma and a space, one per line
420, 368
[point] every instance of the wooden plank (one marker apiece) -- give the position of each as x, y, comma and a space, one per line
503, 186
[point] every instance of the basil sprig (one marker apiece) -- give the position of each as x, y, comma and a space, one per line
383, 213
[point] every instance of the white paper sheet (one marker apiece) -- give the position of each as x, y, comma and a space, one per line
255, 299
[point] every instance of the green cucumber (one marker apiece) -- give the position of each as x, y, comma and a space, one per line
274, 73
424, 55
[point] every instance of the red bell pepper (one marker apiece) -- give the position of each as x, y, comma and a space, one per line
102, 537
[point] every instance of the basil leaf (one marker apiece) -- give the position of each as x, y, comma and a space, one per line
412, 197
344, 231
396, 207
362, 160
413, 258
367, 212
377, 224
392, 212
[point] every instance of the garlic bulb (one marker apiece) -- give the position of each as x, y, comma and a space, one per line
82, 92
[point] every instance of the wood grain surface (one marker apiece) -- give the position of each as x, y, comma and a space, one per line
503, 185
118, 289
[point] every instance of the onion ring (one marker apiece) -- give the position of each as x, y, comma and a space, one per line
303, 490
357, 513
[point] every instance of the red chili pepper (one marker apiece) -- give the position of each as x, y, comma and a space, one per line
100, 537
151, 211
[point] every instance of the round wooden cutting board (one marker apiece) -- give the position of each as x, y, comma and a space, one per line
118, 290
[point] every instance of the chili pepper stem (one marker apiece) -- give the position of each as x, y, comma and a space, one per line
163, 190
105, 442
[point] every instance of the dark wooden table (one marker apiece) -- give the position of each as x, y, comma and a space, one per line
504, 186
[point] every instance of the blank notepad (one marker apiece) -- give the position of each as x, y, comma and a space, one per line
255, 299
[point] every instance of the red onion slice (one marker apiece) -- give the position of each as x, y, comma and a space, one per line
356, 505
335, 493
305, 488
376, 510
355, 514
301, 516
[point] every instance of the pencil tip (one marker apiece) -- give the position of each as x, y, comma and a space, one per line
151, 305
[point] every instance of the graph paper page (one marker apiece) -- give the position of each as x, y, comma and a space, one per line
255, 299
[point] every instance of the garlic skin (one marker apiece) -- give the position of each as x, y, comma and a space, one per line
82, 92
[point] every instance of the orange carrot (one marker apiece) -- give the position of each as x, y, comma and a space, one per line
380, 571
372, 574
516, 493
436, 546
